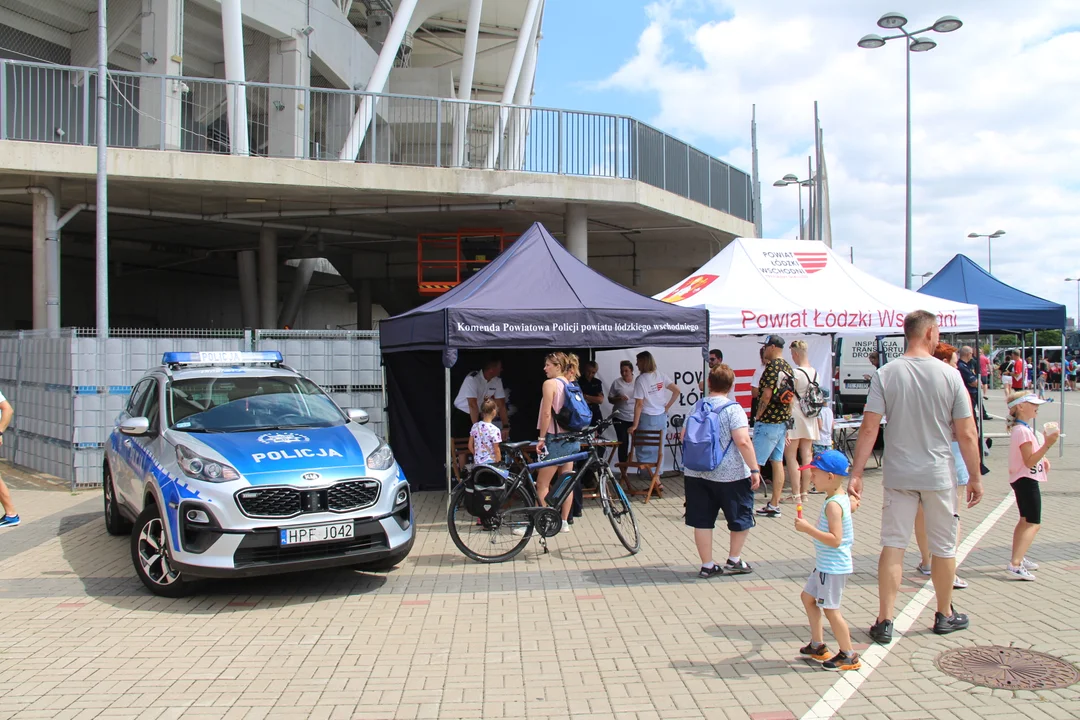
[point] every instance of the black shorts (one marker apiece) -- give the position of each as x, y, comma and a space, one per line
460, 423
706, 498
1028, 499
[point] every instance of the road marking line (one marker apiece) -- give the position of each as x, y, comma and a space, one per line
848, 683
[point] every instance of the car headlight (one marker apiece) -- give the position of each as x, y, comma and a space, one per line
200, 468
381, 459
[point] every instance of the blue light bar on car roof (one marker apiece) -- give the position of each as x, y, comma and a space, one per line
221, 358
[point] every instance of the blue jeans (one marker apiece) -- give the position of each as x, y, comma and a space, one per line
769, 442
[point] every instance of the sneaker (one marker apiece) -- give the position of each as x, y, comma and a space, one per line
923, 569
945, 624
881, 632
738, 568
519, 530
1020, 573
959, 584
818, 652
565, 528
842, 661
9, 521
707, 572
1028, 565
769, 510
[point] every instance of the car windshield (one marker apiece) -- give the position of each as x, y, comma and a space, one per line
248, 404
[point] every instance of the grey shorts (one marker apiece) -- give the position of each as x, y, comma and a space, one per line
827, 589
898, 511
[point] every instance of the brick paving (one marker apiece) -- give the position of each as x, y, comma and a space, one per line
585, 631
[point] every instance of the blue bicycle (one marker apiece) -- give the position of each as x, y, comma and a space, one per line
495, 511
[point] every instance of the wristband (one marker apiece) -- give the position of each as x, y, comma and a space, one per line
755, 472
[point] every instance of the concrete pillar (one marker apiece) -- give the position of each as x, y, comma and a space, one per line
363, 304
292, 305
268, 271
525, 35
468, 67
232, 31
577, 231
519, 125
160, 100
39, 273
289, 65
249, 288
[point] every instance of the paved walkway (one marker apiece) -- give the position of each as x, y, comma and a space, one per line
584, 631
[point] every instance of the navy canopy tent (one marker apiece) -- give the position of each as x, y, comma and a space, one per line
1002, 308
534, 296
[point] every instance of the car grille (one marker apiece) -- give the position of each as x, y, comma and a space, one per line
352, 495
285, 502
263, 547
269, 502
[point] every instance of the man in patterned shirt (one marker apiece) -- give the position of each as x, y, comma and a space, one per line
771, 421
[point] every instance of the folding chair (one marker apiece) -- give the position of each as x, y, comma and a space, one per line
644, 439
461, 457
674, 444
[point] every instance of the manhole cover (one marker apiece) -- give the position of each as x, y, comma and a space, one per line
1007, 668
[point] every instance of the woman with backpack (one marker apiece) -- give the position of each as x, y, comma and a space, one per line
561, 370
717, 430
804, 429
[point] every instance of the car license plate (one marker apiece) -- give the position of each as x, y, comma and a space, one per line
316, 533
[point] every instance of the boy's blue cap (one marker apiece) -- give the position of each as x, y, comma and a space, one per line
831, 461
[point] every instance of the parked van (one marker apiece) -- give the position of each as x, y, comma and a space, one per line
854, 367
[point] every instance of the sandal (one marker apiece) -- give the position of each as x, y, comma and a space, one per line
789, 499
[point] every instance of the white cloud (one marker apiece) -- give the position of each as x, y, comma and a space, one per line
995, 113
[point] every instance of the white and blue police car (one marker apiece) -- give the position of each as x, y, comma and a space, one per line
231, 464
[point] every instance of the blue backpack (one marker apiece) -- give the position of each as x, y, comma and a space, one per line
575, 413
701, 444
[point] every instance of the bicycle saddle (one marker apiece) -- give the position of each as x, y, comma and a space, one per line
517, 445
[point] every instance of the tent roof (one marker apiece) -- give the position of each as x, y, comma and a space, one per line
1002, 308
534, 295
756, 286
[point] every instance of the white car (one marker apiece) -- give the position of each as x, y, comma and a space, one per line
232, 465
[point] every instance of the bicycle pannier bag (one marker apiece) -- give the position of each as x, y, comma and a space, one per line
484, 490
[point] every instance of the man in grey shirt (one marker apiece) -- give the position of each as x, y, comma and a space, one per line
926, 405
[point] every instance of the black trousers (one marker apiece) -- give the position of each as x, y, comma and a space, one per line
622, 432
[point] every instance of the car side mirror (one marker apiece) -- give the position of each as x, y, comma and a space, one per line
358, 416
135, 426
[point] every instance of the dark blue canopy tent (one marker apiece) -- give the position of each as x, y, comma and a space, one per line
534, 296
1002, 308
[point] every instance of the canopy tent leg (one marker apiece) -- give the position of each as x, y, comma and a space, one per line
979, 408
449, 440
1061, 409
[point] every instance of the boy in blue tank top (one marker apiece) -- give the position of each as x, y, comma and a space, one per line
833, 537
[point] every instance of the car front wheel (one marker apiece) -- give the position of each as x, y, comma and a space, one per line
150, 555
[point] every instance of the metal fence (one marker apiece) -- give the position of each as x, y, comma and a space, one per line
55, 103
68, 386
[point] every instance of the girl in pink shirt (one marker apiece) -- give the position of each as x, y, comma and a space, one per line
1027, 468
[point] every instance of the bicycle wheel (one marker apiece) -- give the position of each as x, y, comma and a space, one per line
494, 539
618, 510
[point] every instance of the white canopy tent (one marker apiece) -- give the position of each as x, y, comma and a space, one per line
756, 286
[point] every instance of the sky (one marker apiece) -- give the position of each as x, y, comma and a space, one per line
995, 116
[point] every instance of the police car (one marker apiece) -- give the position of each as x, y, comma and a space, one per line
232, 464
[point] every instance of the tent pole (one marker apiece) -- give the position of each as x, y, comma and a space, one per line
978, 409
1035, 361
1061, 410
449, 440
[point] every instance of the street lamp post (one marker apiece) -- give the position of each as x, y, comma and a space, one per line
923, 276
790, 179
1076, 321
896, 21
989, 250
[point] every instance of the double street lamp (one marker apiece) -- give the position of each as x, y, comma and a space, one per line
790, 179
989, 250
896, 21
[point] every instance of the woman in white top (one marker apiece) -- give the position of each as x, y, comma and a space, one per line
804, 432
654, 394
621, 397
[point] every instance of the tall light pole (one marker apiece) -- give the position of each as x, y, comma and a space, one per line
989, 250
1076, 320
790, 179
896, 21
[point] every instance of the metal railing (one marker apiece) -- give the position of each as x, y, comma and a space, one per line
54, 103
